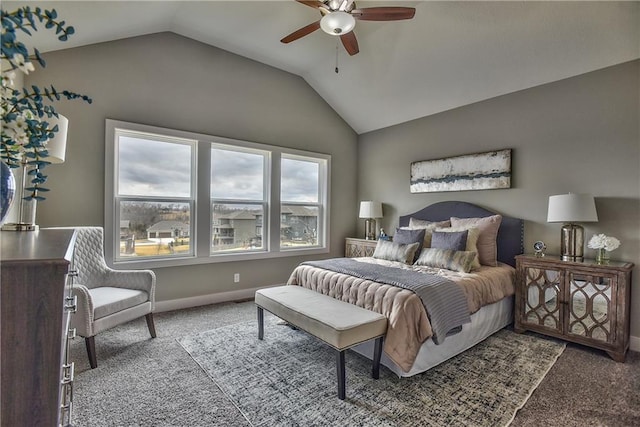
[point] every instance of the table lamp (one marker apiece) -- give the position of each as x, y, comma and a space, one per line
570, 209
370, 210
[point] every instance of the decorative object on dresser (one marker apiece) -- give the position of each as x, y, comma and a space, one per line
539, 247
107, 297
482, 171
583, 302
569, 209
56, 149
37, 377
7, 191
603, 245
31, 128
356, 248
370, 210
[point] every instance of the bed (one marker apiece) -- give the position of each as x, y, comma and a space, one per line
411, 344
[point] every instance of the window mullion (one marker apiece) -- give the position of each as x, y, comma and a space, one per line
274, 205
202, 220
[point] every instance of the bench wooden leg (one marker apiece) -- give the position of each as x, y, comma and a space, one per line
260, 323
377, 353
340, 370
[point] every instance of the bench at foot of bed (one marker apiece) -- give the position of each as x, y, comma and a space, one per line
339, 324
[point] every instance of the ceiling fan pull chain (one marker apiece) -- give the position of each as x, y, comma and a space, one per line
337, 70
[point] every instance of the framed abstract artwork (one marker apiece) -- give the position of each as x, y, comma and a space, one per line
482, 171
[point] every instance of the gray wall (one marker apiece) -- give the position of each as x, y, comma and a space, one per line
577, 135
171, 81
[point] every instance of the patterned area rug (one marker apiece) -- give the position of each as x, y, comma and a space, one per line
289, 379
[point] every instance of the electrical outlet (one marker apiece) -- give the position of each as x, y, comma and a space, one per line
236, 277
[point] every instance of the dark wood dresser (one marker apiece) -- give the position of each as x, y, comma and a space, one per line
36, 306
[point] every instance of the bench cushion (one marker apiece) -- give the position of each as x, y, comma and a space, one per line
338, 323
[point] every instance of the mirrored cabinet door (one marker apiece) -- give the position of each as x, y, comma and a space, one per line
542, 297
591, 302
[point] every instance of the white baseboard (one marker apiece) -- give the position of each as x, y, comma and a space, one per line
177, 304
634, 343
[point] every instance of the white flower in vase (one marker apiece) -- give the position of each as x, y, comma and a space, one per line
603, 244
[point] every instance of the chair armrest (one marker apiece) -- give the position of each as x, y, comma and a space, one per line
82, 319
142, 280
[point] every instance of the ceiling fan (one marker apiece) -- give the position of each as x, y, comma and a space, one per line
339, 18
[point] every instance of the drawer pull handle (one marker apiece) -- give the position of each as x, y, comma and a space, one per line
72, 304
68, 371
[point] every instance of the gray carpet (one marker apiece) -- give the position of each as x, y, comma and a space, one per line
289, 380
153, 382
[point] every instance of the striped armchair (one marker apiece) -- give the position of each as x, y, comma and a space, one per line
107, 297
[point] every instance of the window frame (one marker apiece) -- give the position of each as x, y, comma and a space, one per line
201, 224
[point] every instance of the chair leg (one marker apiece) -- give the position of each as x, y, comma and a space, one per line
150, 325
90, 343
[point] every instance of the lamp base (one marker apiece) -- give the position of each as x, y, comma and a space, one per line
572, 242
20, 227
370, 229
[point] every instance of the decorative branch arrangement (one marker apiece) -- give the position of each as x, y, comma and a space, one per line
25, 129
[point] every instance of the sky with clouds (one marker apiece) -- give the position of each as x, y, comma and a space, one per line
156, 168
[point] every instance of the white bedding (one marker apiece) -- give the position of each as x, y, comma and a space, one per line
485, 322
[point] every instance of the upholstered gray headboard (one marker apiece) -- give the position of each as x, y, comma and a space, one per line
510, 235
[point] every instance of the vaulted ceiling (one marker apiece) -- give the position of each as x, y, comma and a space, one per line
451, 54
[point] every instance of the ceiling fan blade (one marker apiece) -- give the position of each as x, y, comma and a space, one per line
312, 3
350, 43
301, 32
383, 13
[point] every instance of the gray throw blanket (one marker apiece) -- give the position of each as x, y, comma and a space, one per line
444, 301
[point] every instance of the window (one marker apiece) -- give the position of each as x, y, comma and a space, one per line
154, 195
238, 203
176, 198
300, 206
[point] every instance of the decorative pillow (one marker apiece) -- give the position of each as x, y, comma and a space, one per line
428, 226
446, 258
392, 251
472, 241
488, 227
405, 237
454, 240
421, 223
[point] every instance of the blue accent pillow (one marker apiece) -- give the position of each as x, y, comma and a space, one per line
405, 237
452, 240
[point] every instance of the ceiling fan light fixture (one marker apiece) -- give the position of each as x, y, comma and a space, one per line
337, 23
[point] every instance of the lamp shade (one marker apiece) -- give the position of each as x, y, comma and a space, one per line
572, 208
337, 23
370, 209
57, 146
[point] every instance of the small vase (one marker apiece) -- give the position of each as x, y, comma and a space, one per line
7, 190
602, 256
